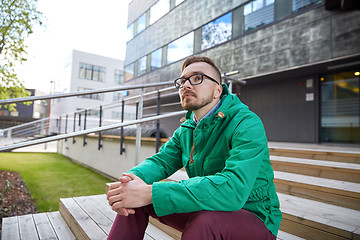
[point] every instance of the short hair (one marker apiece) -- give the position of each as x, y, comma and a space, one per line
194, 59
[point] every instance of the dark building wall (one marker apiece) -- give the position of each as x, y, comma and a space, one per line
283, 108
303, 45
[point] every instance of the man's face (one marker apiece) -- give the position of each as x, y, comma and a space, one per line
195, 97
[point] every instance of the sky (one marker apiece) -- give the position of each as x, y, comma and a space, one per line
94, 26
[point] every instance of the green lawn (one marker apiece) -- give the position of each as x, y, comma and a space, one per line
51, 176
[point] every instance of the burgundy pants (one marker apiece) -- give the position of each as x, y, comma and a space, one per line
202, 225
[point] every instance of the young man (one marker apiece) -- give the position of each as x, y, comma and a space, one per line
230, 192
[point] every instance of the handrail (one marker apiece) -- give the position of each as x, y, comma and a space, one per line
93, 130
86, 92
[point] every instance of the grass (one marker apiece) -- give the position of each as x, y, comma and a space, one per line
51, 176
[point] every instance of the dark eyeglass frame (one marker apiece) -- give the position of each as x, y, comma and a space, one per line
178, 85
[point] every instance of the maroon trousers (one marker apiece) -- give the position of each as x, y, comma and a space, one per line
202, 225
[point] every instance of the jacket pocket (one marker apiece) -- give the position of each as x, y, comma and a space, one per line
202, 188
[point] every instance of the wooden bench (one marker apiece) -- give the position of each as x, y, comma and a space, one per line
340, 193
349, 172
316, 220
36, 226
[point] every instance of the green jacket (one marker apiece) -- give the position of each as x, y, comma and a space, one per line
227, 160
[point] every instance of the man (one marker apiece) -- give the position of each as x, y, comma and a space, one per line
230, 192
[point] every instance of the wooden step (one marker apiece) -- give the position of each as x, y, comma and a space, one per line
340, 193
36, 226
90, 217
316, 220
350, 156
349, 172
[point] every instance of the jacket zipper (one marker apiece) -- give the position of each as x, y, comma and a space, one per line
192, 153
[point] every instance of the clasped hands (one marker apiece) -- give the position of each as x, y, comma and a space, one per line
129, 193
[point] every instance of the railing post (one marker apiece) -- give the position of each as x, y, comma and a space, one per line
138, 128
74, 141
84, 141
79, 122
59, 131
66, 123
158, 122
122, 150
9, 133
100, 117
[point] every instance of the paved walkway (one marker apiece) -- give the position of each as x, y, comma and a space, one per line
43, 147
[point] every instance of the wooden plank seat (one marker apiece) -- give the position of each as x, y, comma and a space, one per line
90, 217
316, 220
340, 193
349, 172
36, 226
348, 156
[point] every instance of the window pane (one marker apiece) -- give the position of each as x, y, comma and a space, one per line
158, 10
181, 48
156, 57
141, 23
130, 32
301, 4
129, 72
119, 77
82, 71
340, 108
216, 32
257, 14
142, 66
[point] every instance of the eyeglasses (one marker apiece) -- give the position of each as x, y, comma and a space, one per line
194, 79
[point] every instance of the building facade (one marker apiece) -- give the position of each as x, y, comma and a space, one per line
86, 71
300, 59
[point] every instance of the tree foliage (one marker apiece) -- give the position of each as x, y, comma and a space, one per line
18, 18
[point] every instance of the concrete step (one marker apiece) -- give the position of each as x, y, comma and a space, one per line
340, 193
316, 220
349, 172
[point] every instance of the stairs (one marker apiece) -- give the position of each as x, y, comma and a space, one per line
319, 192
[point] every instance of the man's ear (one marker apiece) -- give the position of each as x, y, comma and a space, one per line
218, 91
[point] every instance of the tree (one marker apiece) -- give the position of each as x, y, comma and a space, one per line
18, 18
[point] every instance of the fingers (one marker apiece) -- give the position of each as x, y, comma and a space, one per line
130, 175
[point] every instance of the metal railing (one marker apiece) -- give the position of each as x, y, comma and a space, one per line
38, 126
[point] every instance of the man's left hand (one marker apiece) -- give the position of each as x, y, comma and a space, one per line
131, 194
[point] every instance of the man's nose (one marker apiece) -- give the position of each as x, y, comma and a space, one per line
187, 84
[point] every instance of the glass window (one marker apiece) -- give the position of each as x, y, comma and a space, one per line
97, 96
115, 115
130, 32
258, 13
216, 32
92, 72
177, 2
181, 48
116, 96
340, 107
118, 77
158, 10
156, 57
142, 66
141, 23
129, 72
298, 5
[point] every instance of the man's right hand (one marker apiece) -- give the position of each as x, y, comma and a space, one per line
110, 193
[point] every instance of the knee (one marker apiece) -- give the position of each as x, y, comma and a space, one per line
203, 219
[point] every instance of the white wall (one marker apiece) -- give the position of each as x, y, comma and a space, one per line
108, 159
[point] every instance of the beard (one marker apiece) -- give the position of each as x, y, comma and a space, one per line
193, 103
